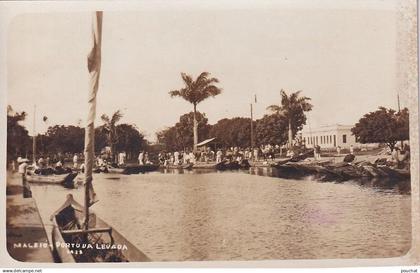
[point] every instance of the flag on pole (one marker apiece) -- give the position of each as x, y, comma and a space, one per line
94, 68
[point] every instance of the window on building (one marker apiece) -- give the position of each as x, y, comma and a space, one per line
344, 138
316, 140
330, 139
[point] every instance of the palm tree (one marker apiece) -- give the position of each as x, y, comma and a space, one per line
195, 92
292, 107
110, 129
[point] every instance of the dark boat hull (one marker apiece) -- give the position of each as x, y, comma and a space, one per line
136, 169
66, 180
129, 252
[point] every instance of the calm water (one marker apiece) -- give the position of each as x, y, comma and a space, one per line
238, 216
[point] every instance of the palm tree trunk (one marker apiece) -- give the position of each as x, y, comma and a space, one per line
290, 133
195, 129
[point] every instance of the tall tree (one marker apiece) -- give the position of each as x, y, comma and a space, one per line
196, 91
293, 108
129, 139
18, 140
179, 137
63, 139
232, 132
383, 126
271, 129
110, 127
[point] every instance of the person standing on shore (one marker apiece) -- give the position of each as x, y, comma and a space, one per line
22, 170
121, 158
141, 158
219, 156
317, 152
255, 154
75, 161
338, 150
176, 158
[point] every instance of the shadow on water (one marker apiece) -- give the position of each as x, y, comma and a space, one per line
380, 184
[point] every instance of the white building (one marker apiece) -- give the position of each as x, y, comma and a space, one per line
329, 136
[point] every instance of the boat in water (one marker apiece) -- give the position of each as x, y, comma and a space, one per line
129, 169
186, 166
99, 243
136, 169
78, 234
66, 179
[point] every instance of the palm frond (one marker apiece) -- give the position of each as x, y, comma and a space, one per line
116, 117
175, 93
202, 77
187, 79
274, 108
212, 90
105, 118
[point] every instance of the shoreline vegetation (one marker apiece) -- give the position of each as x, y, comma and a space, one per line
275, 141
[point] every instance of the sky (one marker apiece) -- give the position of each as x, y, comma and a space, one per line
343, 58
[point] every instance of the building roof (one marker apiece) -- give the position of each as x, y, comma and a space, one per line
326, 128
202, 143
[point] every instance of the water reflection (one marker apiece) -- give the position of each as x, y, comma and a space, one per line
205, 215
380, 184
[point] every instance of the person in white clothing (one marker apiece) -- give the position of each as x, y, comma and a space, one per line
219, 156
121, 158
351, 149
75, 161
176, 158
22, 170
141, 158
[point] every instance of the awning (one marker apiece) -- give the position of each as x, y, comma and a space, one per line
202, 143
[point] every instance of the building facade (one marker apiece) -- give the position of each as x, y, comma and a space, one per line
329, 136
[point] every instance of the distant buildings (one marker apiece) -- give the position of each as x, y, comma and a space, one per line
329, 136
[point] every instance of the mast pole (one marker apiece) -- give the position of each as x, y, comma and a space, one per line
94, 67
399, 112
34, 137
252, 129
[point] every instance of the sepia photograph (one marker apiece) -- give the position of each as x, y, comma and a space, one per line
243, 131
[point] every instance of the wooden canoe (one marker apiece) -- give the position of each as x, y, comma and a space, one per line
203, 165
182, 166
136, 169
129, 169
60, 179
101, 243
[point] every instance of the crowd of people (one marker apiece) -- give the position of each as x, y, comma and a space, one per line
205, 155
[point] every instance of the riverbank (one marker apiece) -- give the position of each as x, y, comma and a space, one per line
27, 240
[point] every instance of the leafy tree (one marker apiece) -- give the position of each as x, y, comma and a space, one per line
63, 139
129, 139
272, 129
110, 128
293, 108
179, 136
18, 140
383, 126
232, 132
169, 137
195, 92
